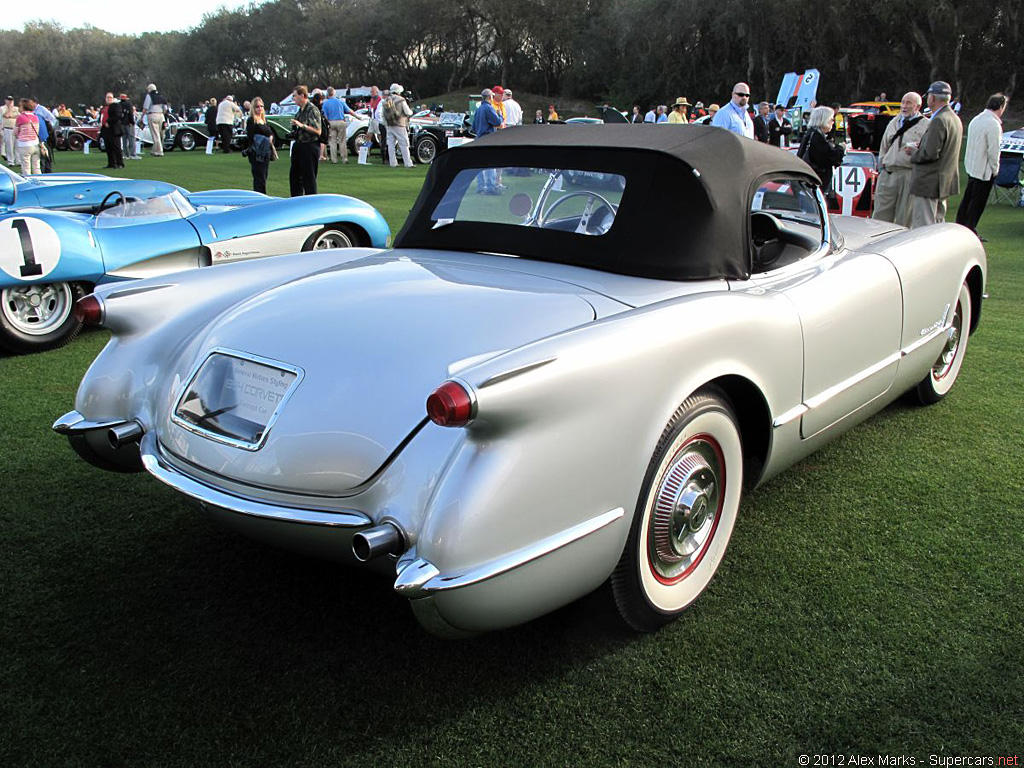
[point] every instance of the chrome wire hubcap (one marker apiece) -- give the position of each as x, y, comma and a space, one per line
37, 309
685, 510
948, 355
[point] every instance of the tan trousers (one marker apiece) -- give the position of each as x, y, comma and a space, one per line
156, 132
336, 140
892, 197
397, 135
927, 210
30, 159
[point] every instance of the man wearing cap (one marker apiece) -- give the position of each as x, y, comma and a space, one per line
779, 127
761, 132
936, 161
396, 113
486, 121
981, 160
733, 116
155, 107
678, 116
10, 118
513, 112
227, 113
902, 135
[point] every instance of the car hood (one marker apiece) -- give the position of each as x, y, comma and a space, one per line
372, 339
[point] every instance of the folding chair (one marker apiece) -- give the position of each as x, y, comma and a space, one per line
1006, 186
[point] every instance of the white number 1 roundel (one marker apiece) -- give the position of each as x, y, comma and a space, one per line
29, 248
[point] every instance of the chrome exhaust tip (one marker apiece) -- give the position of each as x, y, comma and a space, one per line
383, 539
124, 434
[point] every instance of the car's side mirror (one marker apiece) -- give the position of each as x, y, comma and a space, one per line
8, 190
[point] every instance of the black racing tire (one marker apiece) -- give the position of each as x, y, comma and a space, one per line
38, 316
942, 375
426, 149
332, 236
75, 142
186, 141
685, 513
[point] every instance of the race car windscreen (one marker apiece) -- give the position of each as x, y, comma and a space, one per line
567, 200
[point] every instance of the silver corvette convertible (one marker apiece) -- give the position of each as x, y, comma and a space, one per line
585, 344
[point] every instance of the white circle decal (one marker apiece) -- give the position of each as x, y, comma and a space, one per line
29, 248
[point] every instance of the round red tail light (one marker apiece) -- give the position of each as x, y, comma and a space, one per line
89, 310
450, 405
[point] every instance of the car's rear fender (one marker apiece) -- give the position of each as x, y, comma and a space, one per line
564, 431
274, 214
155, 321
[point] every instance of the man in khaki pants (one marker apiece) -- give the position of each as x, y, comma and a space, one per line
334, 110
155, 107
936, 172
902, 136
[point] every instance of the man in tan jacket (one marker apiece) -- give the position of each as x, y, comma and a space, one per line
901, 137
936, 161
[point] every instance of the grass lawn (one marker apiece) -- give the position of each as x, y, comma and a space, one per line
871, 601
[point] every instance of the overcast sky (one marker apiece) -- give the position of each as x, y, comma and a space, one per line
118, 17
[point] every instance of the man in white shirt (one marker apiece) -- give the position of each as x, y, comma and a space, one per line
981, 160
734, 116
513, 112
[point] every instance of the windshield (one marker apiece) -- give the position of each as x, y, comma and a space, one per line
581, 202
132, 210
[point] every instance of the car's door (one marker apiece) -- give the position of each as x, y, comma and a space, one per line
849, 303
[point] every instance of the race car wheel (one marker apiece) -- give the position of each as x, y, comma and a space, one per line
75, 142
426, 150
34, 318
944, 370
334, 236
187, 141
684, 515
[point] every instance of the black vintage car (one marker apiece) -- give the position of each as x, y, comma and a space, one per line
430, 140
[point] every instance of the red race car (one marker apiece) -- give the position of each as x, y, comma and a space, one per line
853, 184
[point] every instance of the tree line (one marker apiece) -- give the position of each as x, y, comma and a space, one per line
618, 51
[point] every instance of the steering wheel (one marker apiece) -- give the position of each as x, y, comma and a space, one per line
588, 210
119, 199
766, 235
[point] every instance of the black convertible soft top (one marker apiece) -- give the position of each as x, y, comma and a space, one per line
684, 214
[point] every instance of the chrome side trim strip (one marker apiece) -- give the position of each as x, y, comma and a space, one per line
793, 413
421, 577
822, 398
837, 389
74, 423
505, 376
925, 339
205, 494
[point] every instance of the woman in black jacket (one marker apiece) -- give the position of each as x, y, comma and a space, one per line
817, 150
258, 152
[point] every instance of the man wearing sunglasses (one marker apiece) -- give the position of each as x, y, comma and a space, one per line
733, 116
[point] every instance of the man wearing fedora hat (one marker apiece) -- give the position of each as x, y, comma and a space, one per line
935, 173
678, 115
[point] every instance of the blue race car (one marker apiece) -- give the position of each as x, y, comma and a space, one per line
58, 239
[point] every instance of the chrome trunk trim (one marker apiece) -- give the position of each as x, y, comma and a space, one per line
206, 495
420, 578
